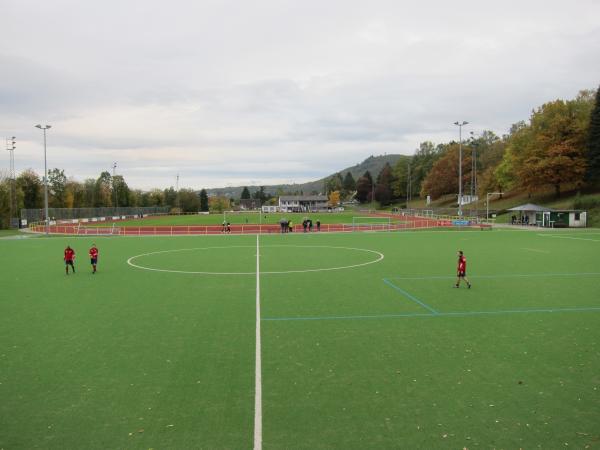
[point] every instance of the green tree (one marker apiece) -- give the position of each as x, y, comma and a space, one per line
135, 197
156, 198
422, 162
550, 150
74, 194
245, 193
120, 191
349, 184
593, 143
334, 183
363, 189
383, 187
29, 183
103, 190
400, 177
89, 193
218, 203
4, 201
442, 179
261, 195
203, 200
57, 182
170, 195
189, 201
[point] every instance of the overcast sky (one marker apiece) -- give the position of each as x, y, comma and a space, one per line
261, 92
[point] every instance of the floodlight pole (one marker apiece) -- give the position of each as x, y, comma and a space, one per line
474, 172
487, 203
177, 193
10, 146
44, 128
114, 168
408, 186
460, 125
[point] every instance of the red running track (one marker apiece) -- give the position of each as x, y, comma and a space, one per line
177, 230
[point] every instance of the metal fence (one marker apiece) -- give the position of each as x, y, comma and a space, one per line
37, 215
467, 212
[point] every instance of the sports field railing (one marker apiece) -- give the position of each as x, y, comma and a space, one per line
175, 230
456, 220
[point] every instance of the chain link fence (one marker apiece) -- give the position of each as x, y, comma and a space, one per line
37, 215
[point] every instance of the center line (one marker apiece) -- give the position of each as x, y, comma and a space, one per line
258, 372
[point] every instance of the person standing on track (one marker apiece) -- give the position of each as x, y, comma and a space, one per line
461, 271
69, 259
93, 257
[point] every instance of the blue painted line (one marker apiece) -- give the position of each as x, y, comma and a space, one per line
519, 311
375, 316
529, 275
411, 297
440, 314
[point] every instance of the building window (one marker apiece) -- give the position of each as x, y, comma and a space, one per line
577, 216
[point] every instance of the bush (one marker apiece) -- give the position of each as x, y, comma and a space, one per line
586, 203
593, 219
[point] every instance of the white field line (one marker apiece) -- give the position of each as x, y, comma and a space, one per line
535, 250
258, 365
569, 237
322, 269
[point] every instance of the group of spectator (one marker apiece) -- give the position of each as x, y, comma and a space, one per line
524, 220
307, 225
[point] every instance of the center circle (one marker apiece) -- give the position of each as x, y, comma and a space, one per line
274, 259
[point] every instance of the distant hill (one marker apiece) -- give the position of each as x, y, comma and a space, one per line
373, 164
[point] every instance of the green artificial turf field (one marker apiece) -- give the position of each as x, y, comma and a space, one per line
365, 344
241, 218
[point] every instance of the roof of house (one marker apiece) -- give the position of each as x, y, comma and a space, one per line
530, 207
304, 198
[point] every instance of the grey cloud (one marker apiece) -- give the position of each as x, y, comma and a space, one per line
285, 89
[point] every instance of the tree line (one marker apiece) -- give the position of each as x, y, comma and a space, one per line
558, 147
27, 191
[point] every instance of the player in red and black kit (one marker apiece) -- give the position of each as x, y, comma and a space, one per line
93, 257
461, 271
69, 258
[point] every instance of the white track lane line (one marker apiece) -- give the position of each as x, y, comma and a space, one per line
258, 372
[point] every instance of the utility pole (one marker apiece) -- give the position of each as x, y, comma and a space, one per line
460, 194
10, 146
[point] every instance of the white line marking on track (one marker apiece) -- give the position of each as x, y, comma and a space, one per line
258, 365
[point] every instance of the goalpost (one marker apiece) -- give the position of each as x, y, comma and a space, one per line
370, 223
115, 229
